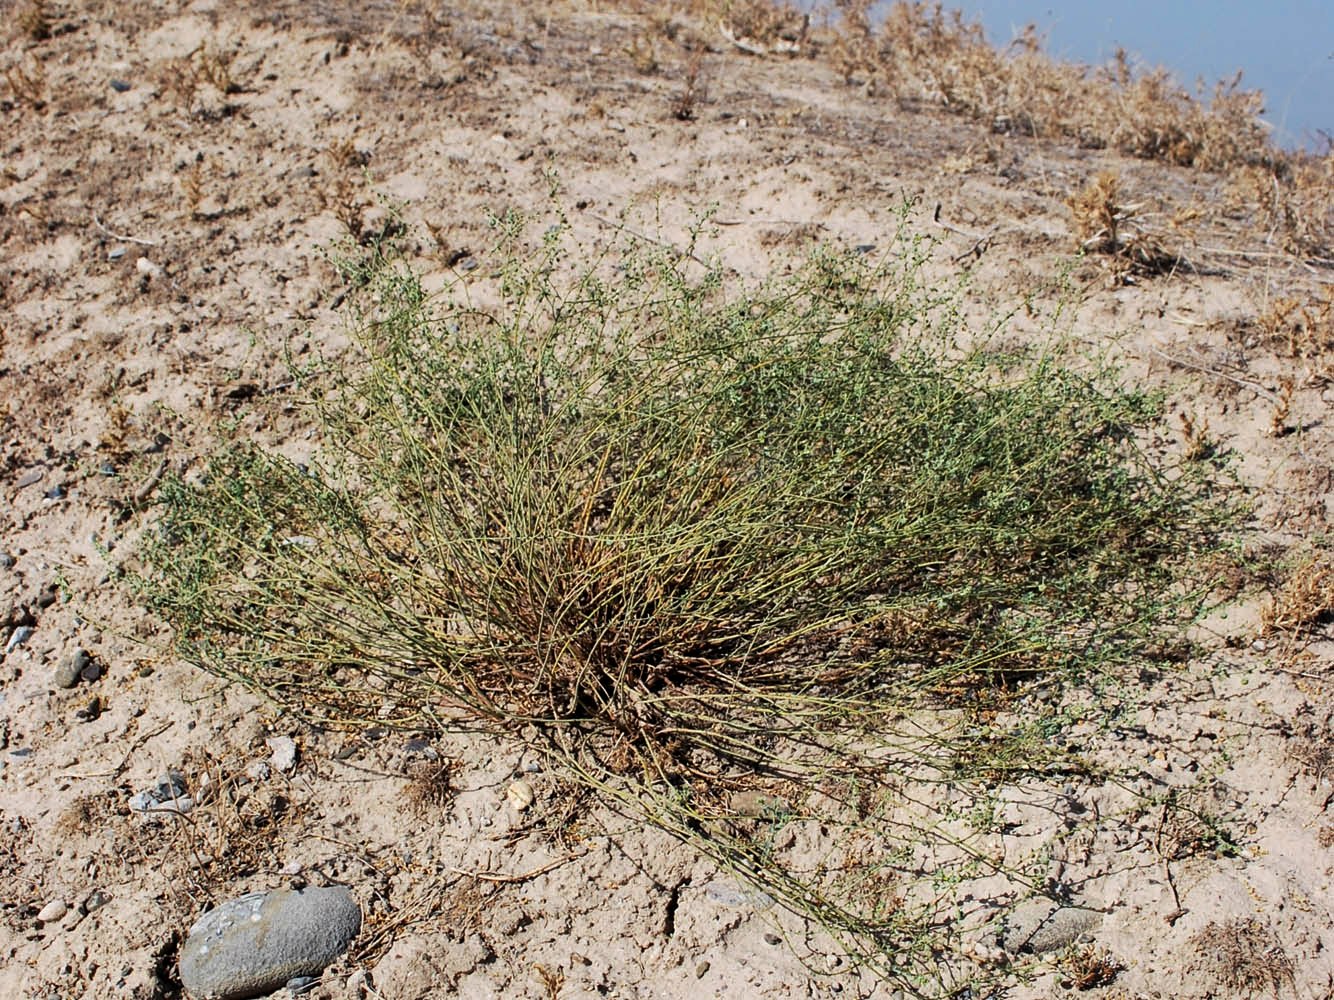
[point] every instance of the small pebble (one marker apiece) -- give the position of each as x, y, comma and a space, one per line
357, 984
53, 911
30, 477
107, 469
92, 671
259, 771
120, 86
702, 969
95, 901
18, 637
92, 712
521, 795
6, 561
115, 253
283, 755
865, 248
147, 268
69, 669
771, 938
168, 793
56, 492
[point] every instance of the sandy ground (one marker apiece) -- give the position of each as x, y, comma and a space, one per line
173, 176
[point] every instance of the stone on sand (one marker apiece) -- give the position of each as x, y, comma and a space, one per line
252, 945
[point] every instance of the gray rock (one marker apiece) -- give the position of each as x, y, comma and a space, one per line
95, 901
168, 793
67, 672
1041, 926
253, 945
18, 637
735, 895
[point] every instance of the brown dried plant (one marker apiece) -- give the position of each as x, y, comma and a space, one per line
1245, 956
1306, 599
1196, 443
643, 53
1300, 327
1278, 420
1292, 196
214, 66
553, 980
344, 193
1105, 224
430, 785
1091, 968
27, 83
34, 21
694, 89
854, 51
192, 187
185, 76
177, 78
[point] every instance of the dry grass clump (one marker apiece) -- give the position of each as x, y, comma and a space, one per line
1105, 224
922, 52
1245, 956
700, 542
1090, 968
430, 785
1300, 327
34, 21
760, 27
1306, 599
1293, 197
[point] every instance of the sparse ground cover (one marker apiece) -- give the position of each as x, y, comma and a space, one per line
1155, 821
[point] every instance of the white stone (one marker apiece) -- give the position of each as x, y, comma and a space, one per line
521, 795
283, 756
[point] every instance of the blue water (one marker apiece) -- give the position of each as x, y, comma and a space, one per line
1284, 48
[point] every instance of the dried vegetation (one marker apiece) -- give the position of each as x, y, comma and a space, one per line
923, 55
1246, 956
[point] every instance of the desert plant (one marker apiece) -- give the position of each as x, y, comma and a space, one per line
1245, 956
1306, 599
701, 542
1104, 223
